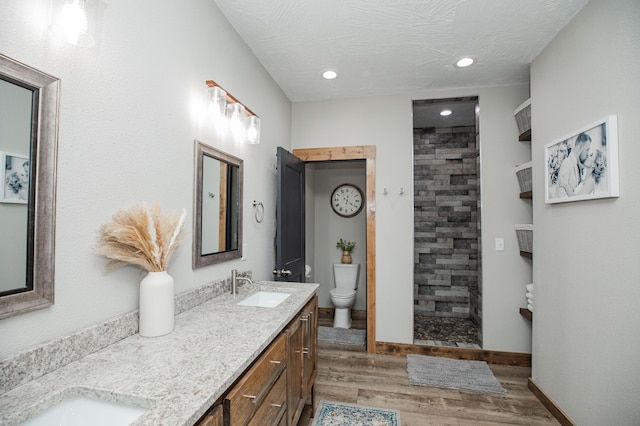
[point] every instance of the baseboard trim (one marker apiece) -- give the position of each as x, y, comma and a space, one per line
356, 314
492, 357
548, 403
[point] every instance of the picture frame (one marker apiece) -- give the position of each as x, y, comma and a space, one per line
583, 165
15, 177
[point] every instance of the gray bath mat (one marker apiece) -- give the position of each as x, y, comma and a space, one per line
452, 374
341, 336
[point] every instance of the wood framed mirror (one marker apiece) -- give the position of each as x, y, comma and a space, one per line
217, 206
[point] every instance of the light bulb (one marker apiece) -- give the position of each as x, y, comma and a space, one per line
329, 74
253, 130
236, 120
71, 24
217, 105
73, 21
464, 62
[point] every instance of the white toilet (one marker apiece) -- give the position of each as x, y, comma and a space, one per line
344, 295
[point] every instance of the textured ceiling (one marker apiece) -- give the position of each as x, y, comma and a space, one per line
388, 47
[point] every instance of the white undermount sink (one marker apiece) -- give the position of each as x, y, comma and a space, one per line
82, 410
264, 299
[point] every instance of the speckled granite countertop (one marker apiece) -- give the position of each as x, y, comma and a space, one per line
177, 376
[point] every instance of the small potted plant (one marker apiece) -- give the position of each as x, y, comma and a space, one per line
346, 247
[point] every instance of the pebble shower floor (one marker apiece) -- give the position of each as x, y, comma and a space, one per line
445, 331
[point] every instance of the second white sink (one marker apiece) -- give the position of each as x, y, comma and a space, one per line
264, 299
81, 410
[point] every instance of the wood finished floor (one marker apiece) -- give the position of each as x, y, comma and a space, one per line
350, 375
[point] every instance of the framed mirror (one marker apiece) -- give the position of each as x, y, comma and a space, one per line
217, 206
28, 146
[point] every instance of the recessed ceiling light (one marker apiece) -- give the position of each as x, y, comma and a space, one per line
464, 62
329, 74
445, 112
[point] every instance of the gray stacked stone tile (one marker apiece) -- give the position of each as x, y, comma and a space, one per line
446, 217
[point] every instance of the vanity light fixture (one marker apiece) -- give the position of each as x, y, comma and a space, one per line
445, 112
228, 112
71, 25
465, 62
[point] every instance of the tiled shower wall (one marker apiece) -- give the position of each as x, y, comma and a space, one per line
446, 230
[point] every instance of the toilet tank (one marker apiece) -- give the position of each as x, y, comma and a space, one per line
346, 275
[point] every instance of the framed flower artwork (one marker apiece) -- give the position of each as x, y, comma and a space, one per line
15, 178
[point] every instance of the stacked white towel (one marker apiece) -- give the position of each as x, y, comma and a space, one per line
529, 296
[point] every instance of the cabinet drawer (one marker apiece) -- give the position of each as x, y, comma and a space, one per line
212, 418
254, 387
274, 408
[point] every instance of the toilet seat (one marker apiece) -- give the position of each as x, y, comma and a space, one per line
340, 295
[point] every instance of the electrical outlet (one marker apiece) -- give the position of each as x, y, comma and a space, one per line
499, 244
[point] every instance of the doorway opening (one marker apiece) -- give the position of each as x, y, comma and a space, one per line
368, 154
325, 227
447, 274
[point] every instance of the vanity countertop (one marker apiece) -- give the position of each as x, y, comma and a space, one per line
177, 376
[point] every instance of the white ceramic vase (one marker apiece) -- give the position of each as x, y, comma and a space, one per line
157, 304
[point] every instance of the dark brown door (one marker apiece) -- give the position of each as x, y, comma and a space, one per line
290, 224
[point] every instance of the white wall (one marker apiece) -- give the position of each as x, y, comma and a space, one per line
586, 342
381, 122
329, 228
504, 274
386, 122
127, 126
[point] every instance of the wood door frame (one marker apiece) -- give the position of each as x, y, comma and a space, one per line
368, 153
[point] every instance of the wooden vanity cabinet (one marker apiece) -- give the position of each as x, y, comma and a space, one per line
213, 417
310, 360
302, 357
275, 389
294, 371
262, 388
273, 411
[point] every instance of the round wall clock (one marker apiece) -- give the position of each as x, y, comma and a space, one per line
347, 200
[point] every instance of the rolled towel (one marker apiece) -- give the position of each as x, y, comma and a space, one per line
530, 288
529, 295
530, 308
529, 302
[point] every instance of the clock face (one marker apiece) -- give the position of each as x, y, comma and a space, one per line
347, 200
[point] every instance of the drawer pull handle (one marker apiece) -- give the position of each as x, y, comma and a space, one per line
281, 412
309, 348
257, 399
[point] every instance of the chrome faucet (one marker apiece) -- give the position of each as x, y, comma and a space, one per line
234, 281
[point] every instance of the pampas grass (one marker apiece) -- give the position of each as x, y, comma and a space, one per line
142, 237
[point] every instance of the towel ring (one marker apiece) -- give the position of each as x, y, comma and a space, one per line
259, 211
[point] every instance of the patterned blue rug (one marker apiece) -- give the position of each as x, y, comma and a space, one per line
338, 414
